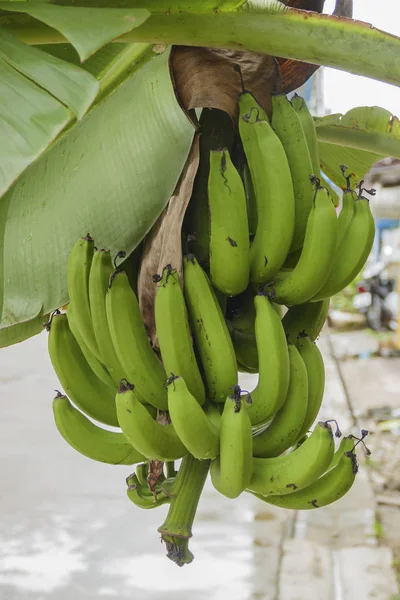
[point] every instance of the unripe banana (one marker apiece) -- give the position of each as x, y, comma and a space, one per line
309, 317
286, 425
295, 470
142, 497
273, 359
79, 263
245, 349
89, 439
346, 445
131, 344
310, 131
348, 208
141, 473
97, 367
317, 256
352, 253
153, 440
210, 332
99, 277
327, 489
191, 423
229, 237
231, 471
287, 126
173, 333
314, 363
84, 388
272, 182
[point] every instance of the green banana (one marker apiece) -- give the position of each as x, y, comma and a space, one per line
153, 440
210, 331
245, 349
89, 439
99, 277
287, 126
310, 131
309, 317
231, 471
273, 359
97, 367
317, 256
79, 263
314, 363
191, 423
327, 489
173, 333
142, 496
297, 469
141, 473
272, 182
352, 253
287, 423
346, 445
213, 414
250, 200
84, 388
347, 211
229, 236
131, 344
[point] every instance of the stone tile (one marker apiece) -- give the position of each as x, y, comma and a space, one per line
367, 573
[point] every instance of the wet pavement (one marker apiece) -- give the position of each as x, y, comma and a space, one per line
67, 529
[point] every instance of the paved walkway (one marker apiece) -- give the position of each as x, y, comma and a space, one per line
68, 531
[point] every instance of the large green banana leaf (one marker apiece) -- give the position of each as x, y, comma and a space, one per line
110, 175
357, 139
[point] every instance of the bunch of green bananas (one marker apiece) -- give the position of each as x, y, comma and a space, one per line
182, 400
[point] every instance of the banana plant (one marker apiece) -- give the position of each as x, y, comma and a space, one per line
97, 117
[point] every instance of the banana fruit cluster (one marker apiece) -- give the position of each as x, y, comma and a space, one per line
182, 400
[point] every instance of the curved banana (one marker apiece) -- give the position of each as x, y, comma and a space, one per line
327, 489
346, 445
309, 317
314, 363
273, 360
99, 277
348, 208
272, 182
231, 471
213, 414
317, 256
142, 496
84, 388
245, 349
89, 439
229, 236
297, 469
131, 343
310, 131
153, 440
79, 263
97, 367
250, 200
287, 126
210, 331
287, 423
141, 472
173, 333
352, 253
191, 423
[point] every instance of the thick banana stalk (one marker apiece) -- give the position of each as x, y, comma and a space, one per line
273, 359
309, 317
352, 253
131, 343
174, 335
191, 423
295, 470
99, 279
310, 131
229, 236
317, 256
210, 332
272, 183
286, 425
287, 126
89, 439
231, 471
327, 489
84, 388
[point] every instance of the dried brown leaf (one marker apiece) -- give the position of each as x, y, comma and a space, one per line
163, 244
205, 77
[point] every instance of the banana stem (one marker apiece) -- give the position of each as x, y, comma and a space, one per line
177, 527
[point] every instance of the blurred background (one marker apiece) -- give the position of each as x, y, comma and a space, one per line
67, 529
